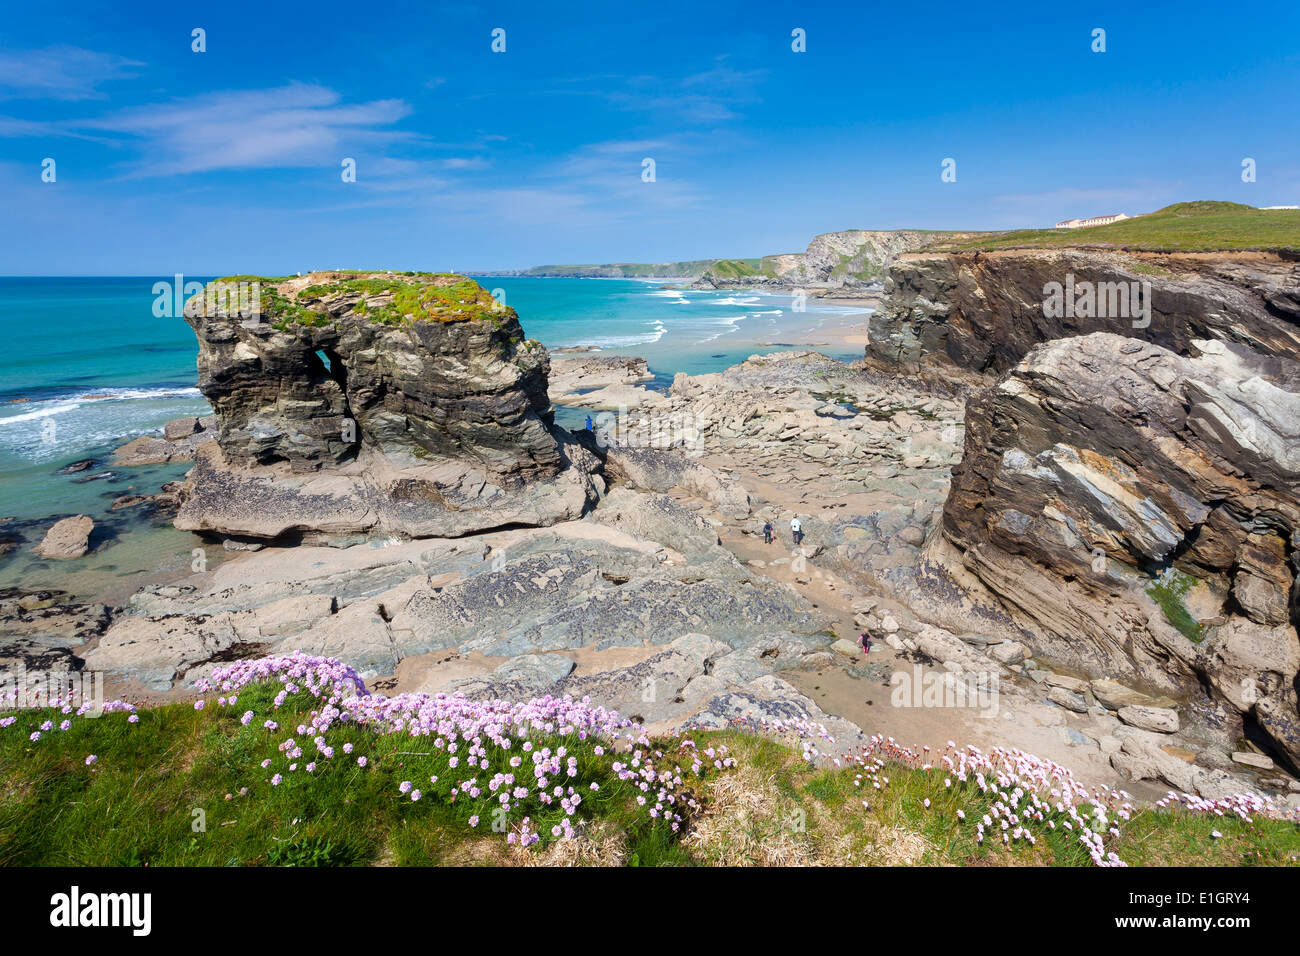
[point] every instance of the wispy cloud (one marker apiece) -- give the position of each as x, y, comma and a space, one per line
710, 96
61, 73
289, 126
11, 127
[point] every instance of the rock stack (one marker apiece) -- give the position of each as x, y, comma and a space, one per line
376, 402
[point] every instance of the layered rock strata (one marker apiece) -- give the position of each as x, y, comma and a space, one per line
1139, 511
376, 402
983, 311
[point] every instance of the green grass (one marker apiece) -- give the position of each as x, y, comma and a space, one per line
142, 803
897, 826
426, 297
1203, 226
1168, 592
137, 804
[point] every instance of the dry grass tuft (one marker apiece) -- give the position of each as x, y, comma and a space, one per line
600, 844
749, 822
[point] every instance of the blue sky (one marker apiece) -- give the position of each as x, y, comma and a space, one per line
229, 160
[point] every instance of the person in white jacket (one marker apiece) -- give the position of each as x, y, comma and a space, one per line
796, 530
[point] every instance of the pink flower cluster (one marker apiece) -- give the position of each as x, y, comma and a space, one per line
469, 736
1025, 794
1246, 806
73, 706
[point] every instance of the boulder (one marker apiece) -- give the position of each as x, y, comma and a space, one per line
1008, 652
1143, 759
912, 535
1068, 699
1158, 719
1248, 759
1113, 695
179, 428
1074, 684
67, 539
180, 438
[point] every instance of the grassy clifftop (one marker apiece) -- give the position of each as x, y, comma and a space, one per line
1204, 226
284, 763
741, 269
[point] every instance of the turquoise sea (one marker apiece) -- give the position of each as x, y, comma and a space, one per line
89, 366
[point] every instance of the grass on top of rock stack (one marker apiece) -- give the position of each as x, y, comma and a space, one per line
289, 761
389, 298
420, 297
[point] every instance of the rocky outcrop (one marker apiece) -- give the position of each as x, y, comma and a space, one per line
40, 628
640, 570
855, 257
600, 382
983, 311
377, 402
372, 496
653, 469
180, 438
424, 366
1139, 513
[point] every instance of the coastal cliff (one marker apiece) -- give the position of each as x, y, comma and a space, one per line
1129, 491
1140, 513
835, 264
982, 311
349, 402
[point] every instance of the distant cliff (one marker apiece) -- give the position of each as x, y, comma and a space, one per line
843, 264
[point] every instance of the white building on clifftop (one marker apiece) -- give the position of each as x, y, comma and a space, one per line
1094, 221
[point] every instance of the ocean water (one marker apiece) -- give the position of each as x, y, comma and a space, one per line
676, 330
89, 366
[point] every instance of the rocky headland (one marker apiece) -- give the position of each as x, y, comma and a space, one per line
1127, 494
836, 265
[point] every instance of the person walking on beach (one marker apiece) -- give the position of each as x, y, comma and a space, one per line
796, 530
589, 425
865, 641
767, 532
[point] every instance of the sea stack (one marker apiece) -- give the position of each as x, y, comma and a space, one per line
403, 403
